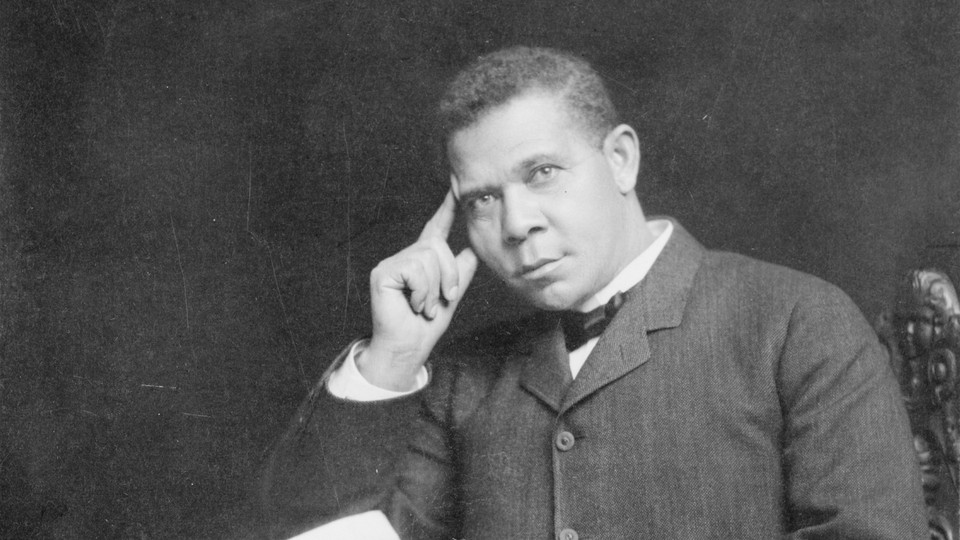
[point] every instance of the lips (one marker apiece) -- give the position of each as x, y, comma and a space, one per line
539, 269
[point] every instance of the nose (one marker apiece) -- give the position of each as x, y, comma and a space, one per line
521, 216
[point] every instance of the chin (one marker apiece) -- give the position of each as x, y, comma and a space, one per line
551, 298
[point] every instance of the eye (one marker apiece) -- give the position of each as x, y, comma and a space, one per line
544, 173
480, 202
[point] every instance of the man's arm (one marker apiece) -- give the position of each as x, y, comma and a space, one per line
849, 467
339, 455
336, 458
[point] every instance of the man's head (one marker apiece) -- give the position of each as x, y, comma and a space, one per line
546, 189
495, 78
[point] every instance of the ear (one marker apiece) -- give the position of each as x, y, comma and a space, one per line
621, 147
455, 186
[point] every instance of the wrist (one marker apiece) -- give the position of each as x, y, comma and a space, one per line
389, 368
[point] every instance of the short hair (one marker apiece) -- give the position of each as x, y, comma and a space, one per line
495, 78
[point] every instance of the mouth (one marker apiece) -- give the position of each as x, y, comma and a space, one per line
539, 269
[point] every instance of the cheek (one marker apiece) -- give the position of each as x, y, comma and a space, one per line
484, 243
600, 207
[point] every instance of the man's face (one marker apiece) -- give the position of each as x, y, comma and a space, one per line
545, 206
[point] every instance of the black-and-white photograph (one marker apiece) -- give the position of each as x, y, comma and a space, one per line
327, 270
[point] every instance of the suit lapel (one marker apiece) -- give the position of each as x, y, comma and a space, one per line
622, 348
656, 303
546, 371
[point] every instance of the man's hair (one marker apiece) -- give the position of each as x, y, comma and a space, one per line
495, 78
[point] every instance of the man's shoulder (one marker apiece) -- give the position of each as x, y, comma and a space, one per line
729, 268
767, 287
722, 270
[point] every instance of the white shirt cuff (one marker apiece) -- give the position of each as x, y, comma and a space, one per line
346, 382
372, 525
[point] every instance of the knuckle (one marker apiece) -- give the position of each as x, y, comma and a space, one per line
378, 272
420, 275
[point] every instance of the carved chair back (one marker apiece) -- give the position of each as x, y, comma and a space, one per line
922, 333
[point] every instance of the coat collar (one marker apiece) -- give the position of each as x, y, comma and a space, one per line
663, 292
657, 302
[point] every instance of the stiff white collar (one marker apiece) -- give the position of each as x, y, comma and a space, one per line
632, 274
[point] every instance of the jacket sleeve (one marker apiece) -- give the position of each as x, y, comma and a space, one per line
849, 467
424, 503
336, 458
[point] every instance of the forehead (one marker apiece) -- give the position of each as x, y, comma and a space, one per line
529, 124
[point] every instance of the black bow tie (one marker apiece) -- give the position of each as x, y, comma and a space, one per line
579, 327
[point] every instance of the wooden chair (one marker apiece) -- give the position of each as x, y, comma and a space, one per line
922, 333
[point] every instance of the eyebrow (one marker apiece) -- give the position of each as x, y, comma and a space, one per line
518, 169
466, 195
534, 160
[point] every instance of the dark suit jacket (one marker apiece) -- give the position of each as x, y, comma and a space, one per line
729, 398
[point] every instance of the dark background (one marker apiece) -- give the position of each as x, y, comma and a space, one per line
193, 193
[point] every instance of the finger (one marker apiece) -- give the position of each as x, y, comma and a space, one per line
447, 266
432, 271
442, 221
405, 275
466, 262
416, 281
423, 280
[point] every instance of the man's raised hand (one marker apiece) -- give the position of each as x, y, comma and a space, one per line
413, 296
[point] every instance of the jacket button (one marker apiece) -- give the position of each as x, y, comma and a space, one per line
568, 534
565, 442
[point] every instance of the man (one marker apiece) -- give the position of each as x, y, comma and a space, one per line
725, 397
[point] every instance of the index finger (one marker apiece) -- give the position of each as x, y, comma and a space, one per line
442, 221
